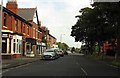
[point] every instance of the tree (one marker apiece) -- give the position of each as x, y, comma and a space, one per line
97, 24
73, 49
63, 46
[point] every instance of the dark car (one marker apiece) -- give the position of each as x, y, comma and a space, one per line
65, 53
61, 53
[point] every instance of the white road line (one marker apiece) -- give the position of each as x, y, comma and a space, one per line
113, 66
4, 71
13, 68
84, 71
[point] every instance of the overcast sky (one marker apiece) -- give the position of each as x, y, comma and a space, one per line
57, 15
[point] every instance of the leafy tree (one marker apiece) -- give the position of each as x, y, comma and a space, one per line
63, 46
73, 49
97, 24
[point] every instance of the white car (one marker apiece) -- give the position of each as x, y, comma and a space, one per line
50, 54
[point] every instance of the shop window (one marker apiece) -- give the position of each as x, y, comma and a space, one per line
4, 45
14, 45
28, 47
17, 47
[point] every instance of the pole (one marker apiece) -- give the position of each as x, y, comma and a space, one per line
61, 41
1, 8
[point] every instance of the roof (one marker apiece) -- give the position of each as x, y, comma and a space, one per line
27, 13
15, 15
51, 36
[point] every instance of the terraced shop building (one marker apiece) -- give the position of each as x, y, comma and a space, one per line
19, 36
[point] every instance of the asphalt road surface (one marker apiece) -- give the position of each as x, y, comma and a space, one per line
69, 65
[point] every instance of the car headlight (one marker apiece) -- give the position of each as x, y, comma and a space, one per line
53, 54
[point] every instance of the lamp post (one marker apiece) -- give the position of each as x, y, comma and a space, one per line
1, 9
61, 40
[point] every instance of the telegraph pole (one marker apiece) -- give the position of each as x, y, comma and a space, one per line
1, 9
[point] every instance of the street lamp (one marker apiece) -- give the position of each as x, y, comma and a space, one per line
61, 40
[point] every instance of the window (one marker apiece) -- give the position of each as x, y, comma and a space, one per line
16, 24
17, 46
36, 33
21, 26
5, 19
14, 45
33, 32
28, 30
24, 28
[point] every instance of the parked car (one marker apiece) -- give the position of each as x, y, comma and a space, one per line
65, 53
50, 54
60, 53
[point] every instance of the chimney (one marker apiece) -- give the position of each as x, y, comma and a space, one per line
12, 6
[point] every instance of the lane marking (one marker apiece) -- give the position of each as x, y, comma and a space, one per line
84, 71
113, 66
4, 71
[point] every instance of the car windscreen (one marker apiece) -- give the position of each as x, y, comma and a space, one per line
50, 51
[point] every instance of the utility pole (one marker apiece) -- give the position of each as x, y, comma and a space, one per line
1, 9
61, 40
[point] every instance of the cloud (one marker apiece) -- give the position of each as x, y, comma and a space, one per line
57, 15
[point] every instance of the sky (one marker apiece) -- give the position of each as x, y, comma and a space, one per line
57, 15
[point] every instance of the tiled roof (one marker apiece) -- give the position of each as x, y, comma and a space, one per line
27, 13
17, 16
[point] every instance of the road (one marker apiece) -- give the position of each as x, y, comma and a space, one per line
69, 65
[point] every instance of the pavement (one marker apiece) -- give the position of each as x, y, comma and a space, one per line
10, 63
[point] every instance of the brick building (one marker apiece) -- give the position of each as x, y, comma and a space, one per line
22, 33
50, 40
12, 31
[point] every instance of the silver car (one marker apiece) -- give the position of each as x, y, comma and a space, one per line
49, 54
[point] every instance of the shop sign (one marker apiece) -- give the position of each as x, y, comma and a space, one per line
39, 43
5, 35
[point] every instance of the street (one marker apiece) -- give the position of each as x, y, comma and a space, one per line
69, 65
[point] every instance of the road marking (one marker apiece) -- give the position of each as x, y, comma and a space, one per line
4, 71
22, 65
113, 66
84, 71
13, 68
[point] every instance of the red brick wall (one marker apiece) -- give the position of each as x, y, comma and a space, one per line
33, 29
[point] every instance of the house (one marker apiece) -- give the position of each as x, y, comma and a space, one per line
12, 31
21, 32
49, 39
33, 42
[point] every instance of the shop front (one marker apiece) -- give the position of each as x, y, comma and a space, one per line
39, 48
17, 46
30, 47
11, 45
6, 45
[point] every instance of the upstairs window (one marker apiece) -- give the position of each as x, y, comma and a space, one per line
21, 26
33, 32
5, 15
28, 30
16, 24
